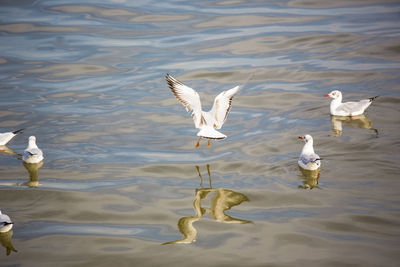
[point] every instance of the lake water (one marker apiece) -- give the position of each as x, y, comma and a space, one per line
122, 183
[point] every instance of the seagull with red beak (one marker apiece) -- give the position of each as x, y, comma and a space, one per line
308, 159
348, 108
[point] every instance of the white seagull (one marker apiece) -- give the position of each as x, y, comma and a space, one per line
349, 108
308, 159
32, 153
6, 137
5, 223
206, 121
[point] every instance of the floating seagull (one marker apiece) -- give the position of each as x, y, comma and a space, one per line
32, 153
6, 137
308, 160
349, 108
5, 223
206, 121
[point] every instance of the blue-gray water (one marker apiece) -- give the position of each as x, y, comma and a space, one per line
121, 170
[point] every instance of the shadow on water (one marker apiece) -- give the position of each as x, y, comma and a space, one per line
360, 121
6, 241
222, 199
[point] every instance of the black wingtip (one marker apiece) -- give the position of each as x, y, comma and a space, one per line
18, 131
373, 98
316, 160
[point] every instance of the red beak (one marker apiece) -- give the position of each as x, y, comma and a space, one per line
300, 137
327, 95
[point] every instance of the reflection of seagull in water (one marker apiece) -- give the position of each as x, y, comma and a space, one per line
360, 121
223, 200
6, 150
310, 180
206, 121
308, 159
348, 108
6, 137
32, 153
32, 169
6, 241
185, 224
5, 223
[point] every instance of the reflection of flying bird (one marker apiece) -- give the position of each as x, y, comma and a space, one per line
185, 224
223, 200
32, 153
360, 121
348, 108
308, 159
6, 241
6, 137
5, 223
206, 121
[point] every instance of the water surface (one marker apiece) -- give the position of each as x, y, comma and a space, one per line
121, 174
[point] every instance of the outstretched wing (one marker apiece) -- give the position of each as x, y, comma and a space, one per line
222, 105
188, 97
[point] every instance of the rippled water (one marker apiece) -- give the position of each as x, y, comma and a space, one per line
121, 174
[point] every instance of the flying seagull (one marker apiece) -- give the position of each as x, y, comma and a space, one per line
206, 121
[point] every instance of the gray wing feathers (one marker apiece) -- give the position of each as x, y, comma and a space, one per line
352, 107
33, 152
305, 159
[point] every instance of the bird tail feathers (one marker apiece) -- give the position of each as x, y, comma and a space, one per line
210, 133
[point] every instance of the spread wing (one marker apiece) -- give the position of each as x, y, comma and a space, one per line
222, 105
188, 97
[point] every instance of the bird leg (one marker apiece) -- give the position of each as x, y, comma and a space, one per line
208, 145
198, 142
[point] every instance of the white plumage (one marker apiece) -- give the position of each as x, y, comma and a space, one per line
6, 137
5, 223
308, 159
32, 153
206, 121
348, 108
